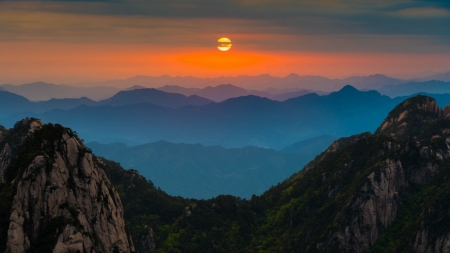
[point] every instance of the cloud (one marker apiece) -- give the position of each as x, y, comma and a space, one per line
370, 25
424, 13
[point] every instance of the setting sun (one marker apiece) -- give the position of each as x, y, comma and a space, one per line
224, 44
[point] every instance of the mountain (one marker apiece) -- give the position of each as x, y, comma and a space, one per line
222, 92
196, 171
381, 192
180, 90
11, 103
41, 91
312, 146
55, 196
236, 122
61, 103
431, 87
226, 91
137, 87
154, 96
260, 82
293, 94
372, 82
439, 77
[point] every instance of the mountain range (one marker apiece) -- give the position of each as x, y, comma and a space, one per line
154, 96
12, 103
250, 120
236, 122
197, 171
222, 88
260, 82
432, 87
41, 91
385, 191
225, 91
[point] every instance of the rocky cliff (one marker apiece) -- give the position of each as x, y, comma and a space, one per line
62, 201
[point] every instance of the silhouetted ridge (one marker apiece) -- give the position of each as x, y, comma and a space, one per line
154, 96
348, 89
411, 115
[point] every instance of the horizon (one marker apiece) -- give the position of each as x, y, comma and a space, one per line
416, 76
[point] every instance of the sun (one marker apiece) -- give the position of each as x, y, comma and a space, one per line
224, 44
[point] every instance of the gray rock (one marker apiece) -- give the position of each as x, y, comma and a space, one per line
378, 204
67, 186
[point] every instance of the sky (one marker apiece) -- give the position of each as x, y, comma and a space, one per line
74, 41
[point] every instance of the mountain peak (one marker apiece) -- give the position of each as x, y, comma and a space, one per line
348, 89
412, 114
292, 75
72, 200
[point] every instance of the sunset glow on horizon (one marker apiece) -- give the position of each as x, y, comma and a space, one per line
69, 42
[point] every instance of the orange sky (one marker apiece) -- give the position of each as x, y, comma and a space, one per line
69, 42
62, 62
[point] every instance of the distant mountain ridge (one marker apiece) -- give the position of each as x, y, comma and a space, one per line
261, 85
225, 91
438, 77
236, 122
11, 103
154, 96
430, 87
41, 91
313, 146
197, 171
259, 82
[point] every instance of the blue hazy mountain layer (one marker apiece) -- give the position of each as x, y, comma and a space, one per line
236, 122
12, 103
433, 87
154, 96
312, 146
197, 171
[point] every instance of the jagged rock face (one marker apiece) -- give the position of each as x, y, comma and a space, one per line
146, 242
424, 244
5, 160
416, 109
65, 203
6, 152
378, 203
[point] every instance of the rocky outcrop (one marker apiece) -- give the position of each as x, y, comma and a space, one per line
419, 108
5, 160
145, 241
64, 202
423, 243
375, 208
9, 146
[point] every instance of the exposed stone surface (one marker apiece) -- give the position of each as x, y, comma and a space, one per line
424, 244
5, 160
6, 149
145, 242
377, 203
68, 196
